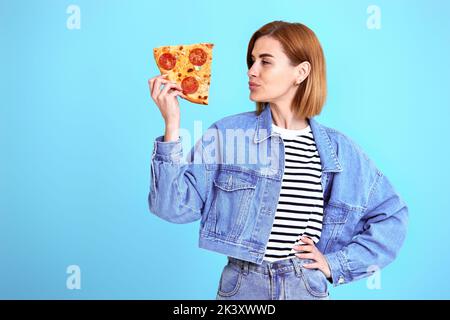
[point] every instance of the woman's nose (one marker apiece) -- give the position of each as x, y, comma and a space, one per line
251, 72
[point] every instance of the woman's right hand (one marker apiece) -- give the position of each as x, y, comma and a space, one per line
167, 102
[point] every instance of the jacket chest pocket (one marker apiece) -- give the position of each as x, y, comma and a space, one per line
333, 223
232, 198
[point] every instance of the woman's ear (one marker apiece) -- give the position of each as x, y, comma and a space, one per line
303, 70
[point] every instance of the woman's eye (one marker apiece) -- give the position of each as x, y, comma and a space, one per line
263, 62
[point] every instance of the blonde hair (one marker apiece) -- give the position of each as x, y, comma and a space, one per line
299, 44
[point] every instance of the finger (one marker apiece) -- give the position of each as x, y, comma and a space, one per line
177, 93
306, 255
150, 85
156, 84
178, 86
175, 83
307, 240
168, 86
166, 81
162, 76
151, 81
314, 265
156, 87
307, 248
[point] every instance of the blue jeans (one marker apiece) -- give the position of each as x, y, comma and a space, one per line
279, 280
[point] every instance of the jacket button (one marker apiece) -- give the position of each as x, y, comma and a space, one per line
341, 280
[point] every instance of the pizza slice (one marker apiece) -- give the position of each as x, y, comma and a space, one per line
189, 66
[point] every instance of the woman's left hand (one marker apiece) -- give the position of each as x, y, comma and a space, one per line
311, 252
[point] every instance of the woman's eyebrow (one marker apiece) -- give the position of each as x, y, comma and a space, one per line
264, 55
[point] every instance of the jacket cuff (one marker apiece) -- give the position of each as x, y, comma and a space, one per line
169, 151
338, 264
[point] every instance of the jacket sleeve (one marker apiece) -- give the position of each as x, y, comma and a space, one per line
385, 226
179, 187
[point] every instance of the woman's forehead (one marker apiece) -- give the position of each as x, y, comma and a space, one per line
266, 46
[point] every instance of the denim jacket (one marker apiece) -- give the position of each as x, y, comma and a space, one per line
233, 190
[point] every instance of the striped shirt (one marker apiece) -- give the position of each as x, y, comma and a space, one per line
300, 205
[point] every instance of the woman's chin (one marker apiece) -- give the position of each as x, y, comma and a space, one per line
253, 97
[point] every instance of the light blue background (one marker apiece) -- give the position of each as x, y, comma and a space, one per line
77, 127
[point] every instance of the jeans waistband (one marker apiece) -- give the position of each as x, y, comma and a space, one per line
266, 267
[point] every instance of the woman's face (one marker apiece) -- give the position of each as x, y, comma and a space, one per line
273, 75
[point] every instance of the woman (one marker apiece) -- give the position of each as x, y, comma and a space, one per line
294, 204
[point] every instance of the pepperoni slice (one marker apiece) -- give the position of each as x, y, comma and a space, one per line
167, 61
198, 56
189, 85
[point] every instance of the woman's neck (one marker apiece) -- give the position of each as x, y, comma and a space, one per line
285, 118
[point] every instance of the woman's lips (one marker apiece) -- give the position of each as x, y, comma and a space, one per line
252, 86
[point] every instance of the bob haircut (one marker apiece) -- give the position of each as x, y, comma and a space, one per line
300, 44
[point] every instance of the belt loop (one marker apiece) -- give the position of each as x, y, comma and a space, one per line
245, 267
296, 262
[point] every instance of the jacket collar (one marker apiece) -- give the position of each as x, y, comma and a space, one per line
327, 153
